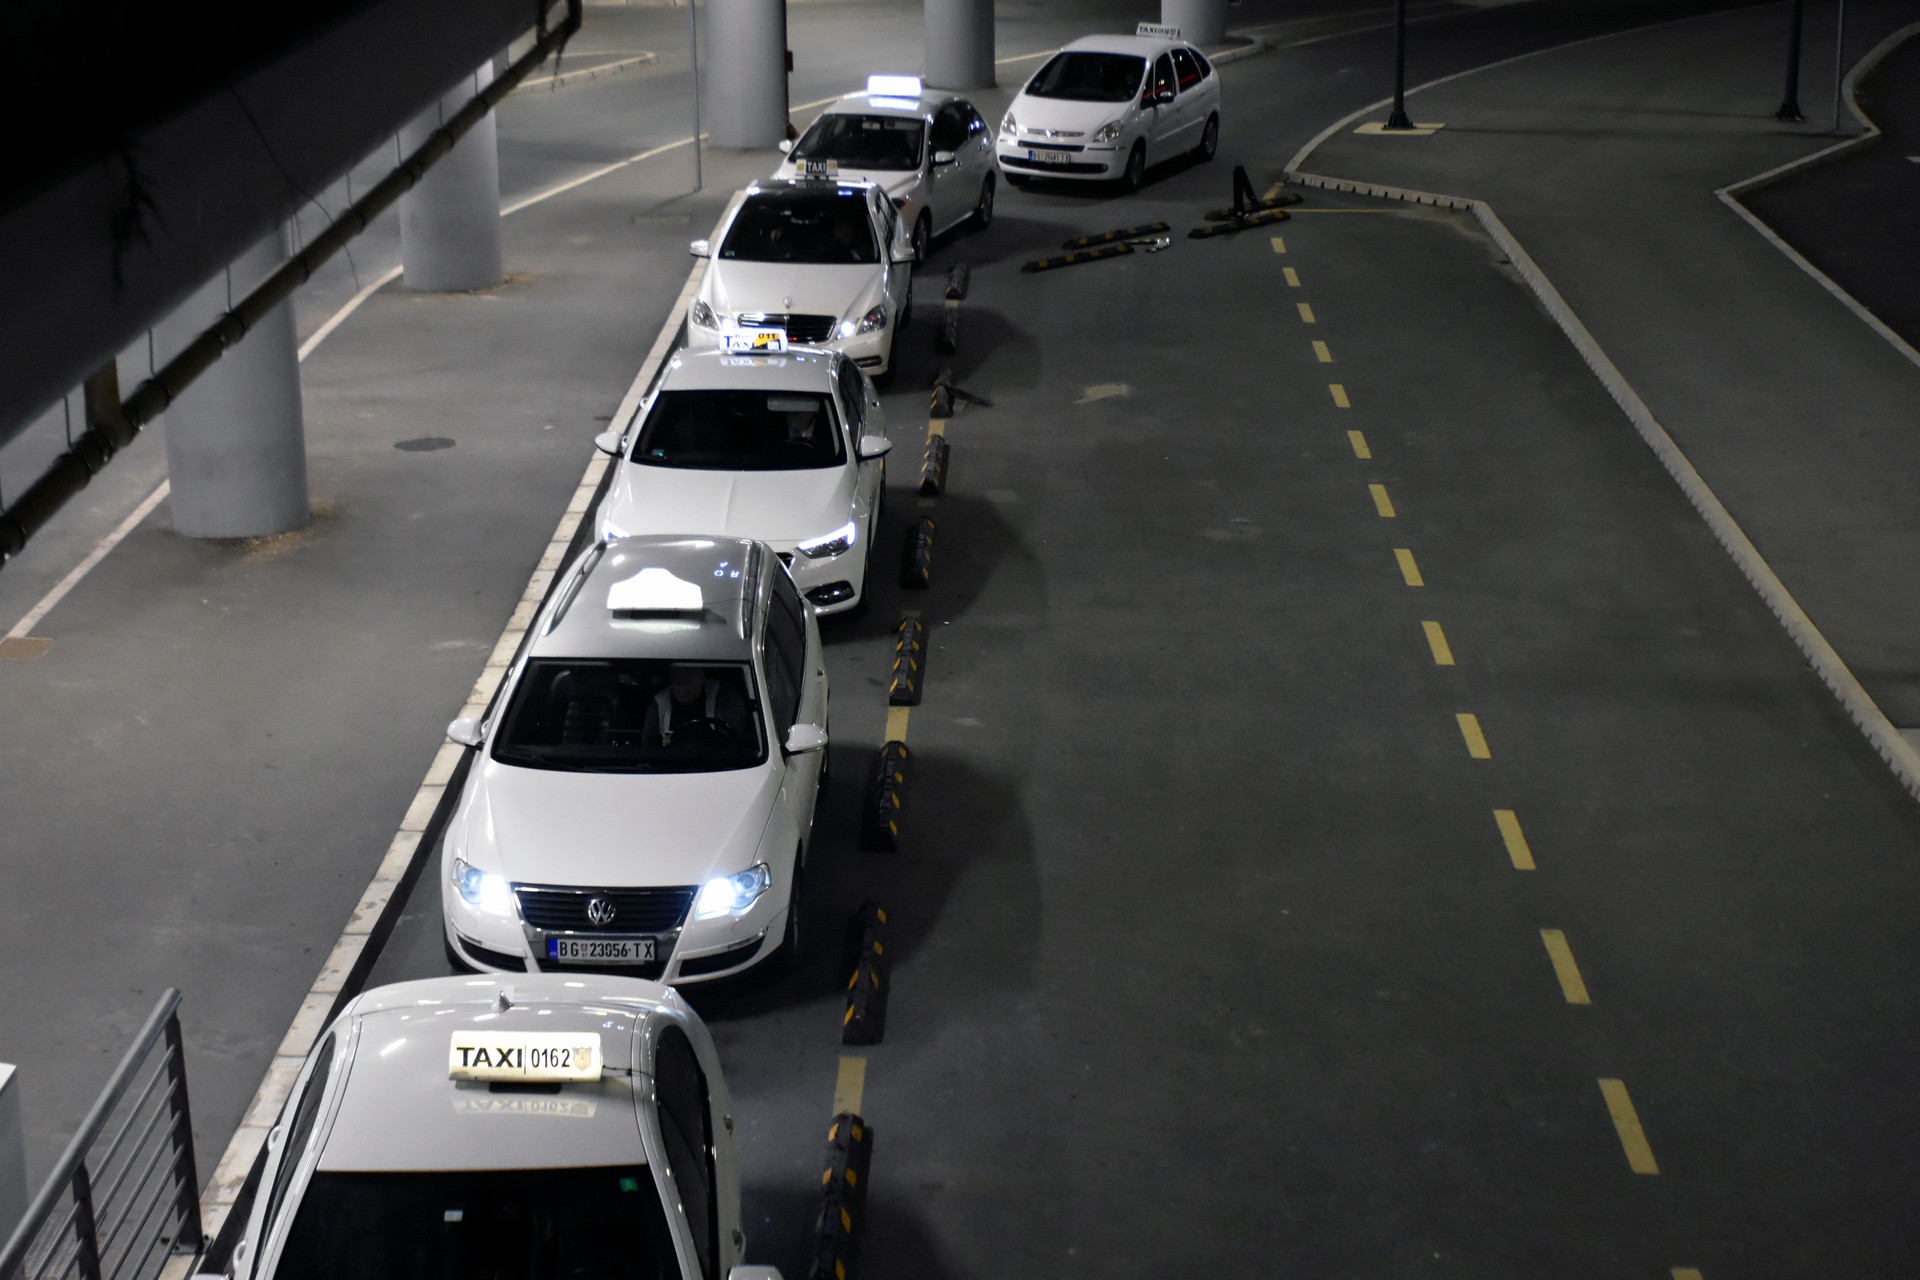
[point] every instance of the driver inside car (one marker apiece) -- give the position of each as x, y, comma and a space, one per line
693, 696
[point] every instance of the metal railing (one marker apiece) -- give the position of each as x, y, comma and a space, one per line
125, 1196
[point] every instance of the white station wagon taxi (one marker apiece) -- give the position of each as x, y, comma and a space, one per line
1108, 107
465, 1127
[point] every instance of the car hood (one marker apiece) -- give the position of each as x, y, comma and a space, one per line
816, 289
1063, 113
780, 507
613, 830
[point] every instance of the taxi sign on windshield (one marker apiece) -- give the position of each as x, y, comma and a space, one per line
754, 341
524, 1057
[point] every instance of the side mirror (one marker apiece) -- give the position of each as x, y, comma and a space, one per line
872, 447
610, 442
786, 146
944, 157
466, 732
700, 249
1163, 97
803, 738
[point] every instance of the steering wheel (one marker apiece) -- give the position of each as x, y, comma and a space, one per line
706, 732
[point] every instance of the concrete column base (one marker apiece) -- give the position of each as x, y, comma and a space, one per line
960, 44
450, 222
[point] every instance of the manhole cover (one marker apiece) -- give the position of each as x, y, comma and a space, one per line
423, 444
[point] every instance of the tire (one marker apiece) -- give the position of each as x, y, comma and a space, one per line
983, 208
1135, 174
1209, 138
922, 240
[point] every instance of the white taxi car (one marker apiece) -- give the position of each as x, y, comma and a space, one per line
642, 796
1108, 107
787, 447
821, 261
447, 1126
930, 151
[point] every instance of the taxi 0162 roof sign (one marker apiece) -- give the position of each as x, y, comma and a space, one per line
523, 1057
1154, 31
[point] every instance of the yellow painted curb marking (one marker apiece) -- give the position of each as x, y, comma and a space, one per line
1510, 832
1306, 313
1273, 191
1320, 350
1626, 1122
1686, 1273
1279, 245
1476, 741
897, 723
1293, 278
1359, 443
1381, 502
1571, 984
1437, 641
936, 427
850, 1088
1408, 569
1339, 396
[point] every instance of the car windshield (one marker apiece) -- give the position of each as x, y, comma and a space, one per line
862, 142
532, 1224
1089, 77
828, 227
632, 715
740, 431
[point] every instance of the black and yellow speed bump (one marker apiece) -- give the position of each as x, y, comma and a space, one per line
866, 1017
1122, 233
1257, 206
947, 339
909, 664
916, 556
843, 1198
958, 280
1119, 249
885, 800
1243, 223
933, 467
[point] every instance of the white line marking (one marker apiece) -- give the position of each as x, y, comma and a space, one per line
94, 557
339, 317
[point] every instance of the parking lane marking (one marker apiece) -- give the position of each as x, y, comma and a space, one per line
1321, 353
850, 1086
1626, 1123
1518, 850
1361, 450
1340, 400
897, 724
1381, 502
1306, 313
1279, 245
1476, 740
1293, 277
1437, 641
1693, 1273
1409, 571
1572, 986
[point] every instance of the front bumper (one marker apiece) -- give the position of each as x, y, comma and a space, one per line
834, 584
1091, 163
871, 351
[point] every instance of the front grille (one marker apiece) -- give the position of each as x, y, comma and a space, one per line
799, 328
557, 910
1054, 146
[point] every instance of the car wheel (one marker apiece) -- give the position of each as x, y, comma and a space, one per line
983, 209
1135, 173
1209, 138
922, 239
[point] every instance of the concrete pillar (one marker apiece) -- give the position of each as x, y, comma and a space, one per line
14, 1196
450, 222
236, 446
1201, 22
745, 75
960, 44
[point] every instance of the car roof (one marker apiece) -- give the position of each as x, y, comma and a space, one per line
892, 104
796, 369
399, 1110
595, 612
796, 187
1142, 46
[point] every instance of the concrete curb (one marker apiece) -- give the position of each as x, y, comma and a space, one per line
1255, 45
1880, 733
588, 73
1730, 195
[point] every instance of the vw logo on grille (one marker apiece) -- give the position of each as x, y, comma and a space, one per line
600, 911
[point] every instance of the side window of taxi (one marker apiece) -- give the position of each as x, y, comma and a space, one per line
786, 653
1163, 75
293, 1138
853, 396
686, 1128
949, 128
976, 127
1186, 68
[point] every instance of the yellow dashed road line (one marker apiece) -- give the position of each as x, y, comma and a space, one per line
1686, 1273
1321, 353
850, 1088
1359, 443
1293, 278
1571, 984
1437, 641
1408, 569
1340, 400
1279, 245
897, 724
1626, 1123
1381, 502
1306, 313
1476, 740
1516, 840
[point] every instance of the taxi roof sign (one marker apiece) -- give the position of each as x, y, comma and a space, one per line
655, 590
893, 86
1155, 31
524, 1057
754, 341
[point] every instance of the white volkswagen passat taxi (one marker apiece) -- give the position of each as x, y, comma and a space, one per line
824, 262
1107, 107
785, 447
642, 793
929, 150
464, 1127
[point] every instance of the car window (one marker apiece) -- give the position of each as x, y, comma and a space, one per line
1163, 74
601, 1221
686, 1130
862, 142
853, 396
1088, 77
976, 125
631, 715
786, 654
740, 431
293, 1139
806, 227
949, 128
1200, 60
1186, 69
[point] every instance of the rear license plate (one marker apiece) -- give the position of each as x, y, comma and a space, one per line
601, 950
1049, 157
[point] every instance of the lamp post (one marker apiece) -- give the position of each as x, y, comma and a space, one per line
1397, 119
1790, 104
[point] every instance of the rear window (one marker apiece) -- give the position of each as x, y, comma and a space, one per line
825, 228
740, 431
1089, 77
863, 142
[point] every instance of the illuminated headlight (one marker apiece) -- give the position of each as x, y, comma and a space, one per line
1008, 125
730, 895
874, 319
482, 888
830, 544
1108, 131
703, 315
